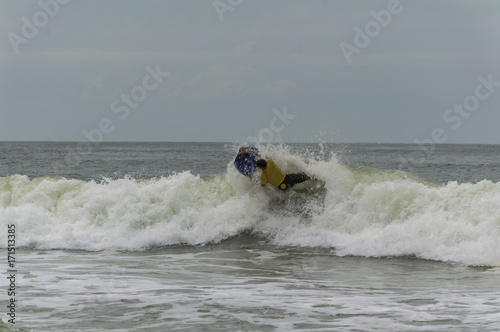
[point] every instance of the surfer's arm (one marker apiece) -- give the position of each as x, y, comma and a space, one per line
263, 178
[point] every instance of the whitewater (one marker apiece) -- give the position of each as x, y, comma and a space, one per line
359, 211
213, 227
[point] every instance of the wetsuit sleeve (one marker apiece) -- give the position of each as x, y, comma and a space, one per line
263, 178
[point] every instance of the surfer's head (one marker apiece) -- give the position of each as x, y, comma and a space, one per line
261, 163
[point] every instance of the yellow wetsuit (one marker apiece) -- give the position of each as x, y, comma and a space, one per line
272, 174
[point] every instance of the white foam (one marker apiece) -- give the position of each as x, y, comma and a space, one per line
389, 215
125, 213
362, 212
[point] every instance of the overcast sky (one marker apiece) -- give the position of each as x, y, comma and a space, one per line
230, 70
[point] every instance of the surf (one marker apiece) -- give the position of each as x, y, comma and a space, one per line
357, 211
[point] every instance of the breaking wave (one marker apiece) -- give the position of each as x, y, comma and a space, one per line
353, 210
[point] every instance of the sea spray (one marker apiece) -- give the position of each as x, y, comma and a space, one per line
357, 211
125, 213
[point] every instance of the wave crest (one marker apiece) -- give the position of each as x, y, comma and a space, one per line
356, 210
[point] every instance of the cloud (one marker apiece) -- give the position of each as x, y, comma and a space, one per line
106, 84
222, 81
244, 48
98, 82
274, 53
280, 86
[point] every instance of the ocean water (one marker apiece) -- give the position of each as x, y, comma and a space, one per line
170, 237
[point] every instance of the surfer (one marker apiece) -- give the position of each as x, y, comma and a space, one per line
246, 159
272, 173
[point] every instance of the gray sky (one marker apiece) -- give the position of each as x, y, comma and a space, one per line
227, 70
